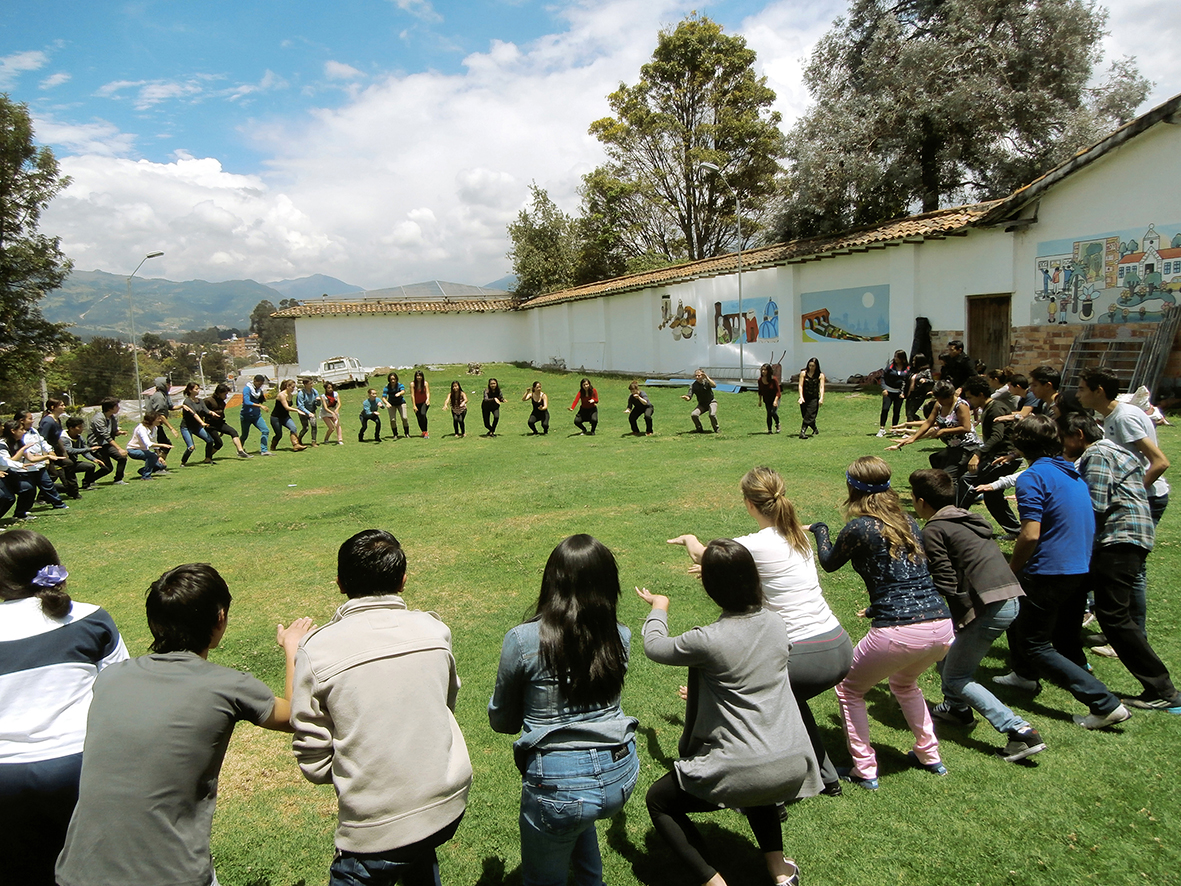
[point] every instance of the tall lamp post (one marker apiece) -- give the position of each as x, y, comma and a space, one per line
131, 313
200, 365
713, 167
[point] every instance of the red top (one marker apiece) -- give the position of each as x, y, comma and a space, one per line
594, 399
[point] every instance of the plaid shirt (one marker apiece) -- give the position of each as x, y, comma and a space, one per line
1116, 481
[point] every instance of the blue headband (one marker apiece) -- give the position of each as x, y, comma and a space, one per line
866, 487
50, 576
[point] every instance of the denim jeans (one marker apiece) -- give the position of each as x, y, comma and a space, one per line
413, 865
259, 422
563, 793
1050, 610
210, 444
958, 669
149, 458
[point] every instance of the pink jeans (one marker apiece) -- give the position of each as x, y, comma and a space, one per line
902, 654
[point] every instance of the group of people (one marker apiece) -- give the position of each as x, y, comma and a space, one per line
370, 696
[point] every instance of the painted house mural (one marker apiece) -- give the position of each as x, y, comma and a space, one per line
1132, 275
758, 321
846, 315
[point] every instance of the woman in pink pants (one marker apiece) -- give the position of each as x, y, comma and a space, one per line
911, 625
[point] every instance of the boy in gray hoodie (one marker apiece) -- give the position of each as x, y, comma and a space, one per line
971, 572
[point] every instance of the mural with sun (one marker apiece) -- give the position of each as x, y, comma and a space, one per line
861, 313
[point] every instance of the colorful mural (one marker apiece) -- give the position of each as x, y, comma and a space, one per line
844, 315
682, 323
760, 321
1119, 277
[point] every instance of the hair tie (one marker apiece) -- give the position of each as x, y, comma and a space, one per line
861, 486
50, 576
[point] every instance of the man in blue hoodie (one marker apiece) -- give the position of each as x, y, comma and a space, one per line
1051, 559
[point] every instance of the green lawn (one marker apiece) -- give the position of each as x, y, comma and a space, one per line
478, 518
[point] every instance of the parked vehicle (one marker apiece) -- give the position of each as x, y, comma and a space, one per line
342, 372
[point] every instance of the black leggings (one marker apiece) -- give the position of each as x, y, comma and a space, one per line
457, 421
420, 415
587, 415
887, 399
491, 415
772, 413
634, 418
668, 805
539, 415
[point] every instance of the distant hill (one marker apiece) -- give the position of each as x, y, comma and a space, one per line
95, 302
313, 287
505, 284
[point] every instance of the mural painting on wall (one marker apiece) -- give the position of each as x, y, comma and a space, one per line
858, 314
682, 323
758, 321
1121, 277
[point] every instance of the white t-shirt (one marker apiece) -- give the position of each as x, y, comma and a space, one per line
791, 587
1124, 427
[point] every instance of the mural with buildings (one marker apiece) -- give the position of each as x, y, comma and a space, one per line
757, 321
1124, 276
858, 314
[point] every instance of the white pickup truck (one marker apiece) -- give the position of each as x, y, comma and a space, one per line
342, 372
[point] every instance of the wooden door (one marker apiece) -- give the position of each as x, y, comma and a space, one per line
988, 326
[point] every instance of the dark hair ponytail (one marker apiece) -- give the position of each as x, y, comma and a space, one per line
24, 553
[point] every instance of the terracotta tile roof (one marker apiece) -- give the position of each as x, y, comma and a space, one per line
913, 229
340, 308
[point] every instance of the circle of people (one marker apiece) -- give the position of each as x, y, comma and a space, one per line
90, 736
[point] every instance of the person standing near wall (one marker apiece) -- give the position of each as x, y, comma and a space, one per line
421, 391
769, 394
811, 397
894, 378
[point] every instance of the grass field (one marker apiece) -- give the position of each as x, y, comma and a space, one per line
478, 517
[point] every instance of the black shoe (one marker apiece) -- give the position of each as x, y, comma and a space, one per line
1021, 744
948, 714
1150, 701
832, 789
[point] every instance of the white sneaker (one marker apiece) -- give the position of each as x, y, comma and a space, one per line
1095, 721
1016, 681
881, 432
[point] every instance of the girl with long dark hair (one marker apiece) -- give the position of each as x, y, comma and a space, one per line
559, 681
193, 424
457, 403
330, 412
769, 394
215, 418
394, 393
811, 397
490, 407
587, 403
744, 745
61, 646
420, 390
911, 625
540, 413
893, 388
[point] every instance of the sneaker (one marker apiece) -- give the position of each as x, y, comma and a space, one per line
1148, 702
1016, 681
936, 768
119, 483
24, 518
268, 452
1022, 744
1102, 721
948, 714
243, 455
881, 432
62, 507
1105, 650
1088, 619
832, 789
846, 774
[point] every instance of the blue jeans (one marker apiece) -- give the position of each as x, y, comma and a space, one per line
413, 865
255, 419
562, 795
958, 669
210, 443
149, 458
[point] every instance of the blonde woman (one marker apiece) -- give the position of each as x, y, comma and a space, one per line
821, 650
911, 626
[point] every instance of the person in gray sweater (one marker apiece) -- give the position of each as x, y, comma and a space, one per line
969, 569
744, 744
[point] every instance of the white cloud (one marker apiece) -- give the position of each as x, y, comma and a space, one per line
420, 9
99, 138
152, 92
55, 80
340, 71
12, 66
1150, 30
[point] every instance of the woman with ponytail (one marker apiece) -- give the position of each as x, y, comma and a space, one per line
560, 677
51, 649
911, 626
821, 650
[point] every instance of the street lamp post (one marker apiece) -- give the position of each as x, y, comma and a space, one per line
712, 167
200, 365
131, 315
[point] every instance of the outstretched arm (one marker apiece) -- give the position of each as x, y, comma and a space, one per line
288, 638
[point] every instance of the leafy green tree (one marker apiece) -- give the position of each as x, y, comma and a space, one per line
156, 345
545, 246
276, 335
101, 368
924, 103
31, 263
698, 99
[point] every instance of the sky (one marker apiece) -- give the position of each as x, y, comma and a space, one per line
382, 142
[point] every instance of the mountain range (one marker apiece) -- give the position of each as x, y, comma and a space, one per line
96, 303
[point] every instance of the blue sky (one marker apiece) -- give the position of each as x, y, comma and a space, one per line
378, 141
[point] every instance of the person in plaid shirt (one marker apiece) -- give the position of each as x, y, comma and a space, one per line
1124, 534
